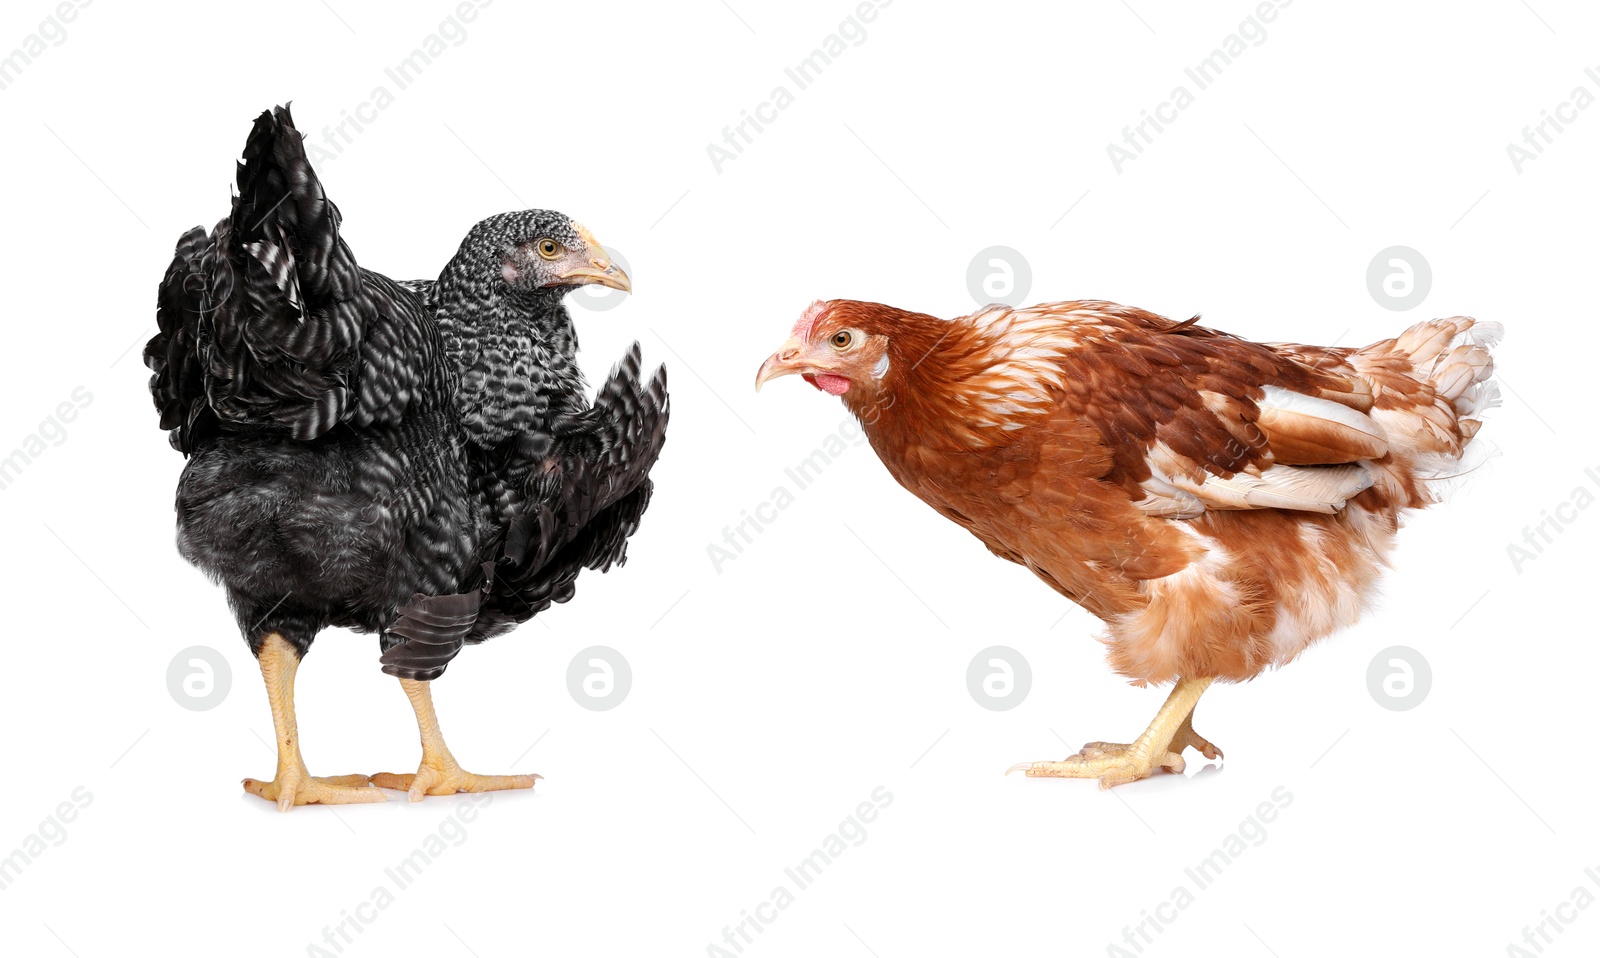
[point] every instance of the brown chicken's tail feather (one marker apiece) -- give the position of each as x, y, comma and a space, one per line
1455, 355
1431, 385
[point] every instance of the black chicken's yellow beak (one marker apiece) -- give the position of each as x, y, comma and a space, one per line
601, 271
784, 362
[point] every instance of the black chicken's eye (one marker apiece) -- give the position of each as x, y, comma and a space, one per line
549, 249
842, 339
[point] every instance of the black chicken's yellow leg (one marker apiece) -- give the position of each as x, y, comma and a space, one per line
1161, 745
293, 785
439, 773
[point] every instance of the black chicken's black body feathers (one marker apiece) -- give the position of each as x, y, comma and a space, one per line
583, 499
339, 473
575, 498
425, 290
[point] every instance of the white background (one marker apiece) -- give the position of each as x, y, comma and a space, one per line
773, 695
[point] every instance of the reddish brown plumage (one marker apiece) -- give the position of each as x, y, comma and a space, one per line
1220, 503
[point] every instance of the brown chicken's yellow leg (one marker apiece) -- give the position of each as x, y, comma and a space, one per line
439, 773
1161, 745
293, 785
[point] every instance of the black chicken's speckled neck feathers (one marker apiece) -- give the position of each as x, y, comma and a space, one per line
514, 344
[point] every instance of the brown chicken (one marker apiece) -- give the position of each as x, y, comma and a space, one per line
1221, 504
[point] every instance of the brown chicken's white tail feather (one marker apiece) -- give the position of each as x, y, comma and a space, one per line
1461, 374
1322, 489
1430, 411
1297, 423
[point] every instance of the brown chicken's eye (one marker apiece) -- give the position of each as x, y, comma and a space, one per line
842, 339
549, 249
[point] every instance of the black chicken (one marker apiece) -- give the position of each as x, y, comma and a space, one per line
414, 460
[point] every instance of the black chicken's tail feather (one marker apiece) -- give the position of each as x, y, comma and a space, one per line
603, 488
553, 578
261, 321
284, 220
191, 288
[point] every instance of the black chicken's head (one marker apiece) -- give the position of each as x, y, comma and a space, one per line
538, 250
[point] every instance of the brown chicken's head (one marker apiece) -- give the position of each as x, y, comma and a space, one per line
835, 347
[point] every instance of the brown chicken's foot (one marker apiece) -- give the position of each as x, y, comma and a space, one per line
1161, 746
293, 785
439, 773
1112, 763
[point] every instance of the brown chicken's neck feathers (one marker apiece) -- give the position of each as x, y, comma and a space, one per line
981, 377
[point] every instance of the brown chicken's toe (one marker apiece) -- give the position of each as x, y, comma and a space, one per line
1102, 749
1187, 737
1110, 762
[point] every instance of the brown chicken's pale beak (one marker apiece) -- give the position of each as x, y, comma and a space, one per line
601, 271
781, 363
